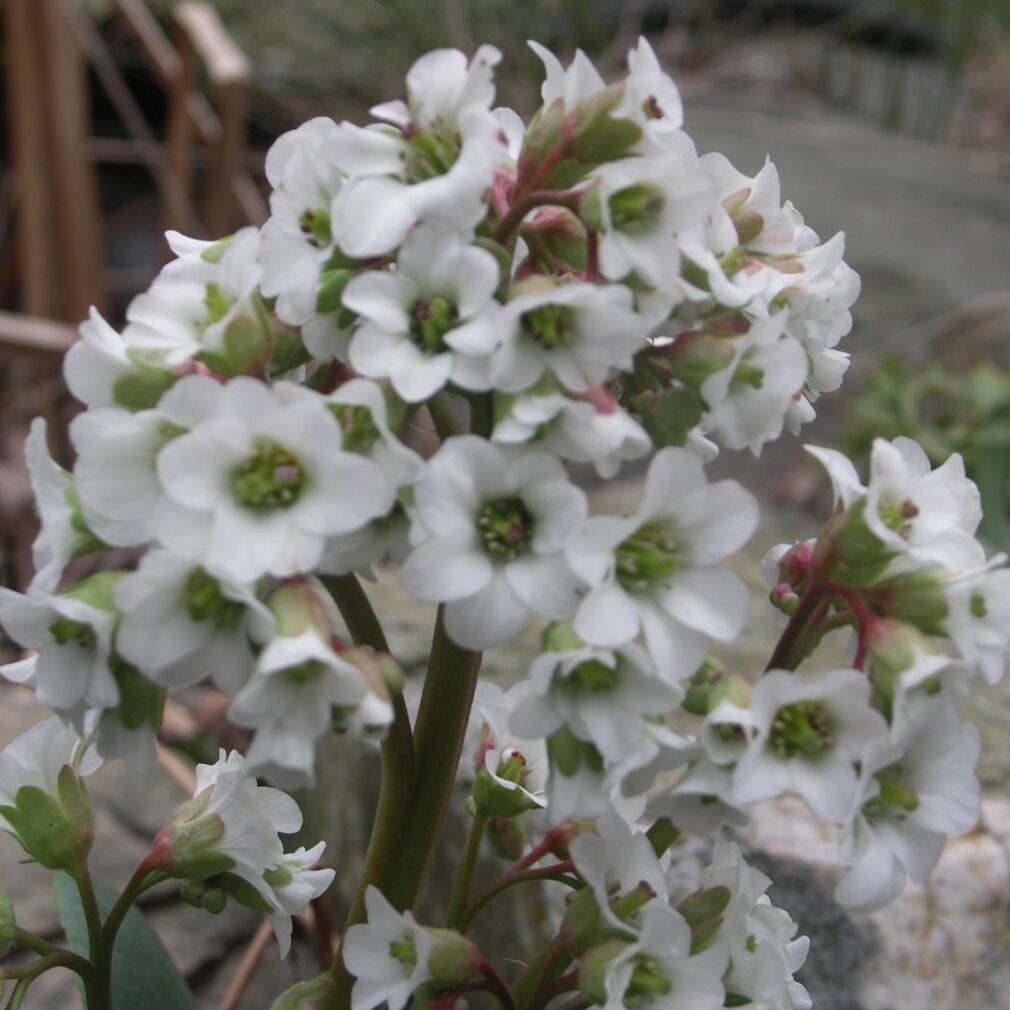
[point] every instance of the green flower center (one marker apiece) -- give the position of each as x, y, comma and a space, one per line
895, 799
271, 478
431, 319
977, 605
648, 558
360, 432
550, 326
205, 602
748, 375
593, 677
430, 153
315, 224
804, 729
505, 526
897, 516
302, 673
69, 632
635, 208
647, 980
404, 950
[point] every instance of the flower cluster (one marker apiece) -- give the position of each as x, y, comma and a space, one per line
582, 289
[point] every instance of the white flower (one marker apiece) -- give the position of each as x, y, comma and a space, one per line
37, 756
361, 412
580, 81
701, 800
845, 483
929, 515
295, 883
231, 825
412, 319
296, 242
657, 970
72, 637
747, 401
600, 695
97, 365
259, 485
289, 700
978, 621
388, 955
122, 499
914, 790
63, 534
641, 204
764, 950
650, 97
180, 623
808, 732
593, 430
657, 572
579, 331
196, 299
488, 529
615, 862
516, 765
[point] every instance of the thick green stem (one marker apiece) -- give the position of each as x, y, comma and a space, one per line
410, 817
356, 609
441, 725
443, 416
18, 995
464, 877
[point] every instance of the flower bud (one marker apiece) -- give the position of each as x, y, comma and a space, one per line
919, 598
696, 356
668, 416
492, 796
454, 959
697, 698
561, 234
304, 995
795, 563
143, 388
858, 549
6, 923
187, 846
783, 597
596, 136
299, 606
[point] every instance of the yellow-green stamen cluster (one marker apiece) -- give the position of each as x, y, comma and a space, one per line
648, 558
271, 478
204, 601
404, 950
67, 632
804, 729
897, 516
360, 431
431, 319
505, 526
593, 677
895, 799
636, 208
549, 325
316, 225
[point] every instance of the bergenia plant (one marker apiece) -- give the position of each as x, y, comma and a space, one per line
580, 289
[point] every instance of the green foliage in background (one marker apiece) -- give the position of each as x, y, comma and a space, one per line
967, 413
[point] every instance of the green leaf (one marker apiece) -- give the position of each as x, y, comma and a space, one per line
143, 974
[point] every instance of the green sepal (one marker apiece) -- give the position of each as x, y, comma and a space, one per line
214, 252
703, 911
496, 800
562, 637
142, 389
568, 753
247, 344
44, 830
243, 892
304, 995
141, 701
98, 590
288, 352
542, 134
668, 416
330, 290
697, 356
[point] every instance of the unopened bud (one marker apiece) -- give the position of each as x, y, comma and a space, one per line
300, 605
454, 959
783, 597
700, 686
696, 356
795, 563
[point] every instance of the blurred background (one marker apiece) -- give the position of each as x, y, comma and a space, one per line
889, 119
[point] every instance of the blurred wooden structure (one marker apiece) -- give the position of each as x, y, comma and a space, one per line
53, 265
56, 261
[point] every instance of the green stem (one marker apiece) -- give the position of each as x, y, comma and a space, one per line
557, 871
443, 416
56, 959
461, 888
397, 771
497, 986
18, 995
412, 808
356, 609
34, 943
441, 725
142, 880
541, 973
89, 903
